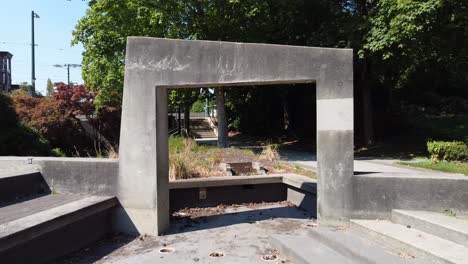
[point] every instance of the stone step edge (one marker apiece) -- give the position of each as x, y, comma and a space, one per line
432, 226
354, 248
24, 229
276, 242
405, 247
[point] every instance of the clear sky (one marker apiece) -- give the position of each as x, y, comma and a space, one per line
53, 36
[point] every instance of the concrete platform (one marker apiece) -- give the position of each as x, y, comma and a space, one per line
423, 245
242, 234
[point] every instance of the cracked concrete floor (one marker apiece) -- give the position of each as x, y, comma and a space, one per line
241, 234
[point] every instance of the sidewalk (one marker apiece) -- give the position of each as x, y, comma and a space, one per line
308, 160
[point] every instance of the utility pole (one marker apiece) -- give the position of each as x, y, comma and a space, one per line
33, 62
67, 65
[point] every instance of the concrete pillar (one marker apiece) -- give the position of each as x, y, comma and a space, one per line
143, 158
335, 153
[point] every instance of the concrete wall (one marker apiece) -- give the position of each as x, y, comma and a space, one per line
153, 65
70, 175
375, 196
80, 175
237, 194
299, 190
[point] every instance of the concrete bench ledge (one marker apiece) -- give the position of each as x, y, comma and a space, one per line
300, 182
424, 174
16, 173
426, 192
294, 180
18, 184
27, 228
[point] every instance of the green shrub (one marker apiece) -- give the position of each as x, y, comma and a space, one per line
448, 151
198, 107
17, 139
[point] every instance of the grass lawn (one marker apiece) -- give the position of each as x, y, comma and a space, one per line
452, 167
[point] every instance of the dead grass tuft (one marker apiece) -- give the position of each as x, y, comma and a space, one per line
178, 168
270, 152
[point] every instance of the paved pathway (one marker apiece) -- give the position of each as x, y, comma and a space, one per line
308, 160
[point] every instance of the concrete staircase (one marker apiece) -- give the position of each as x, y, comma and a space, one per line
434, 237
201, 130
37, 226
334, 246
410, 237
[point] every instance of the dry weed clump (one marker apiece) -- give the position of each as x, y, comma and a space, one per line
270, 152
188, 160
178, 168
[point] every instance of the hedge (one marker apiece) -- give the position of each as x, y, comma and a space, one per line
448, 151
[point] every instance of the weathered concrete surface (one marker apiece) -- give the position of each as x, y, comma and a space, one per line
242, 234
153, 65
377, 194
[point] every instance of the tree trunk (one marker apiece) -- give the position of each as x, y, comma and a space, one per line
179, 125
368, 133
187, 120
221, 116
284, 103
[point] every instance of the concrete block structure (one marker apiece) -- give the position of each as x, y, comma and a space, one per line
153, 65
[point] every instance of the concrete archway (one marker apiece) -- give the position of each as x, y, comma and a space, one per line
153, 65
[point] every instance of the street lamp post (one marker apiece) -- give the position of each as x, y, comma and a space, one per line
33, 62
67, 65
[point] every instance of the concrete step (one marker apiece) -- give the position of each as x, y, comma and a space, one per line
43, 235
353, 246
328, 245
24, 208
325, 245
441, 225
428, 247
17, 185
304, 250
203, 135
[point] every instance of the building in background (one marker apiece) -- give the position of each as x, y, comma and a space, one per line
5, 71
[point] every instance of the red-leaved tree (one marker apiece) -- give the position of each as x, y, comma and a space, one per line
50, 120
76, 100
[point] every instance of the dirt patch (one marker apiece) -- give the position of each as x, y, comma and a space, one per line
197, 212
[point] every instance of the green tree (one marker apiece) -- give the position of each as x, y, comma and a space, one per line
420, 44
50, 88
183, 99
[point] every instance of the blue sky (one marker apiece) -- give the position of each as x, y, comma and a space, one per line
53, 36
